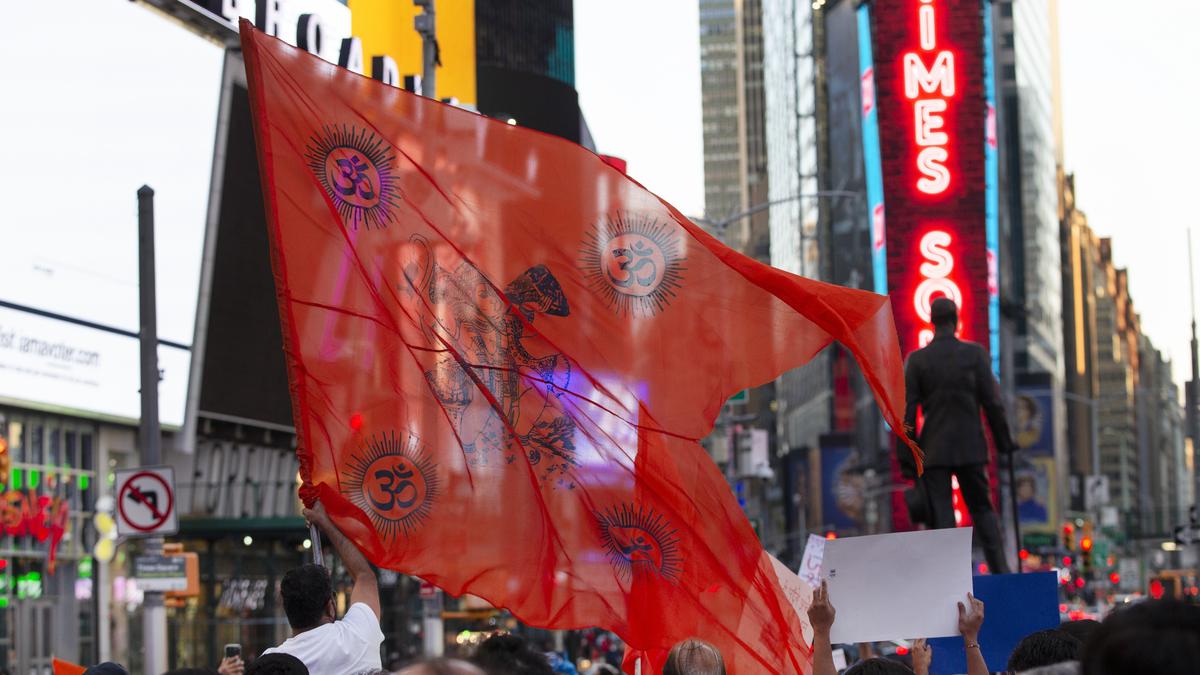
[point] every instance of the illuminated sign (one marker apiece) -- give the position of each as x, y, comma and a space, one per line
932, 111
370, 37
24, 513
930, 159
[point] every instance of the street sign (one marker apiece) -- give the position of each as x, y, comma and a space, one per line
146, 502
428, 591
1186, 535
1096, 492
160, 573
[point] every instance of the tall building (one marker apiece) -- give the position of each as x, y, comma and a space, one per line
735, 143
1080, 250
1027, 57
1160, 443
1117, 329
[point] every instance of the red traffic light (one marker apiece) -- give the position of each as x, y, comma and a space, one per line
1023, 554
1114, 578
1085, 544
831, 535
1156, 589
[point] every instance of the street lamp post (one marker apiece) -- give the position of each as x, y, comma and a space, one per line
720, 225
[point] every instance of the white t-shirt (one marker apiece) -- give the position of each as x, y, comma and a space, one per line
346, 647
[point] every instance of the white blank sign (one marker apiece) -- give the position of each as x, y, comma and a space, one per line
898, 586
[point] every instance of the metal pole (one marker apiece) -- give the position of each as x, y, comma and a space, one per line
1012, 499
426, 25
154, 617
314, 535
1192, 390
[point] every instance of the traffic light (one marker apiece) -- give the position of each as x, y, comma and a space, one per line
1085, 548
1068, 536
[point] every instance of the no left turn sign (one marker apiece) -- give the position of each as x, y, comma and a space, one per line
146, 502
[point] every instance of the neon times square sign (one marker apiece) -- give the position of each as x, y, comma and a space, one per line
932, 122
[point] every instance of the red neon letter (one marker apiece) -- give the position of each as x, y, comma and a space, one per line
936, 269
918, 78
927, 114
928, 34
931, 164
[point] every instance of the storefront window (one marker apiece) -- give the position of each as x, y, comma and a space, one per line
47, 502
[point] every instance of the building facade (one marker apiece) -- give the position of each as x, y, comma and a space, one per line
1029, 121
733, 102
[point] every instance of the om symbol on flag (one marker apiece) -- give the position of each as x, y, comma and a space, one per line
640, 541
356, 168
394, 482
634, 263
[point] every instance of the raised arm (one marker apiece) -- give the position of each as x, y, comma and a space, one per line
821, 615
908, 465
993, 407
970, 621
366, 586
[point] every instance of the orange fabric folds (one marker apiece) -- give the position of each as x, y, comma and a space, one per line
502, 353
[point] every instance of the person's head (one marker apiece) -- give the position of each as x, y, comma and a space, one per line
1081, 629
1026, 487
1156, 636
694, 657
1064, 668
307, 597
879, 666
1044, 648
106, 668
277, 664
943, 314
441, 667
504, 654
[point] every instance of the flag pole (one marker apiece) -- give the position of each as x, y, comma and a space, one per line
314, 536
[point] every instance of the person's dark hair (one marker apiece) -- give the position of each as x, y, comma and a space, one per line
441, 666
106, 668
1155, 636
1081, 629
1044, 648
879, 666
943, 312
694, 657
277, 664
504, 654
306, 592
192, 671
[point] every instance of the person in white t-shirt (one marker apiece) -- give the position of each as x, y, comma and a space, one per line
327, 646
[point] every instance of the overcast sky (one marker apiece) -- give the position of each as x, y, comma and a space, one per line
1129, 108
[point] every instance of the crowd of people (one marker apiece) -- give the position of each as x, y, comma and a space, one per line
1160, 637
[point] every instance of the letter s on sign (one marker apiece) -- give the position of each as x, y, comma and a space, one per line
935, 177
939, 262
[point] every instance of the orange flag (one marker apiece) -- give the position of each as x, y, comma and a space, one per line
61, 667
503, 351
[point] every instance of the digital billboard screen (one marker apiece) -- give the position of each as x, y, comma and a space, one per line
118, 96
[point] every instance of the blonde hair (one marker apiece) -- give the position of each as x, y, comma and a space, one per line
694, 657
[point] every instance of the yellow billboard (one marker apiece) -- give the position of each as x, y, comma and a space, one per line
386, 27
